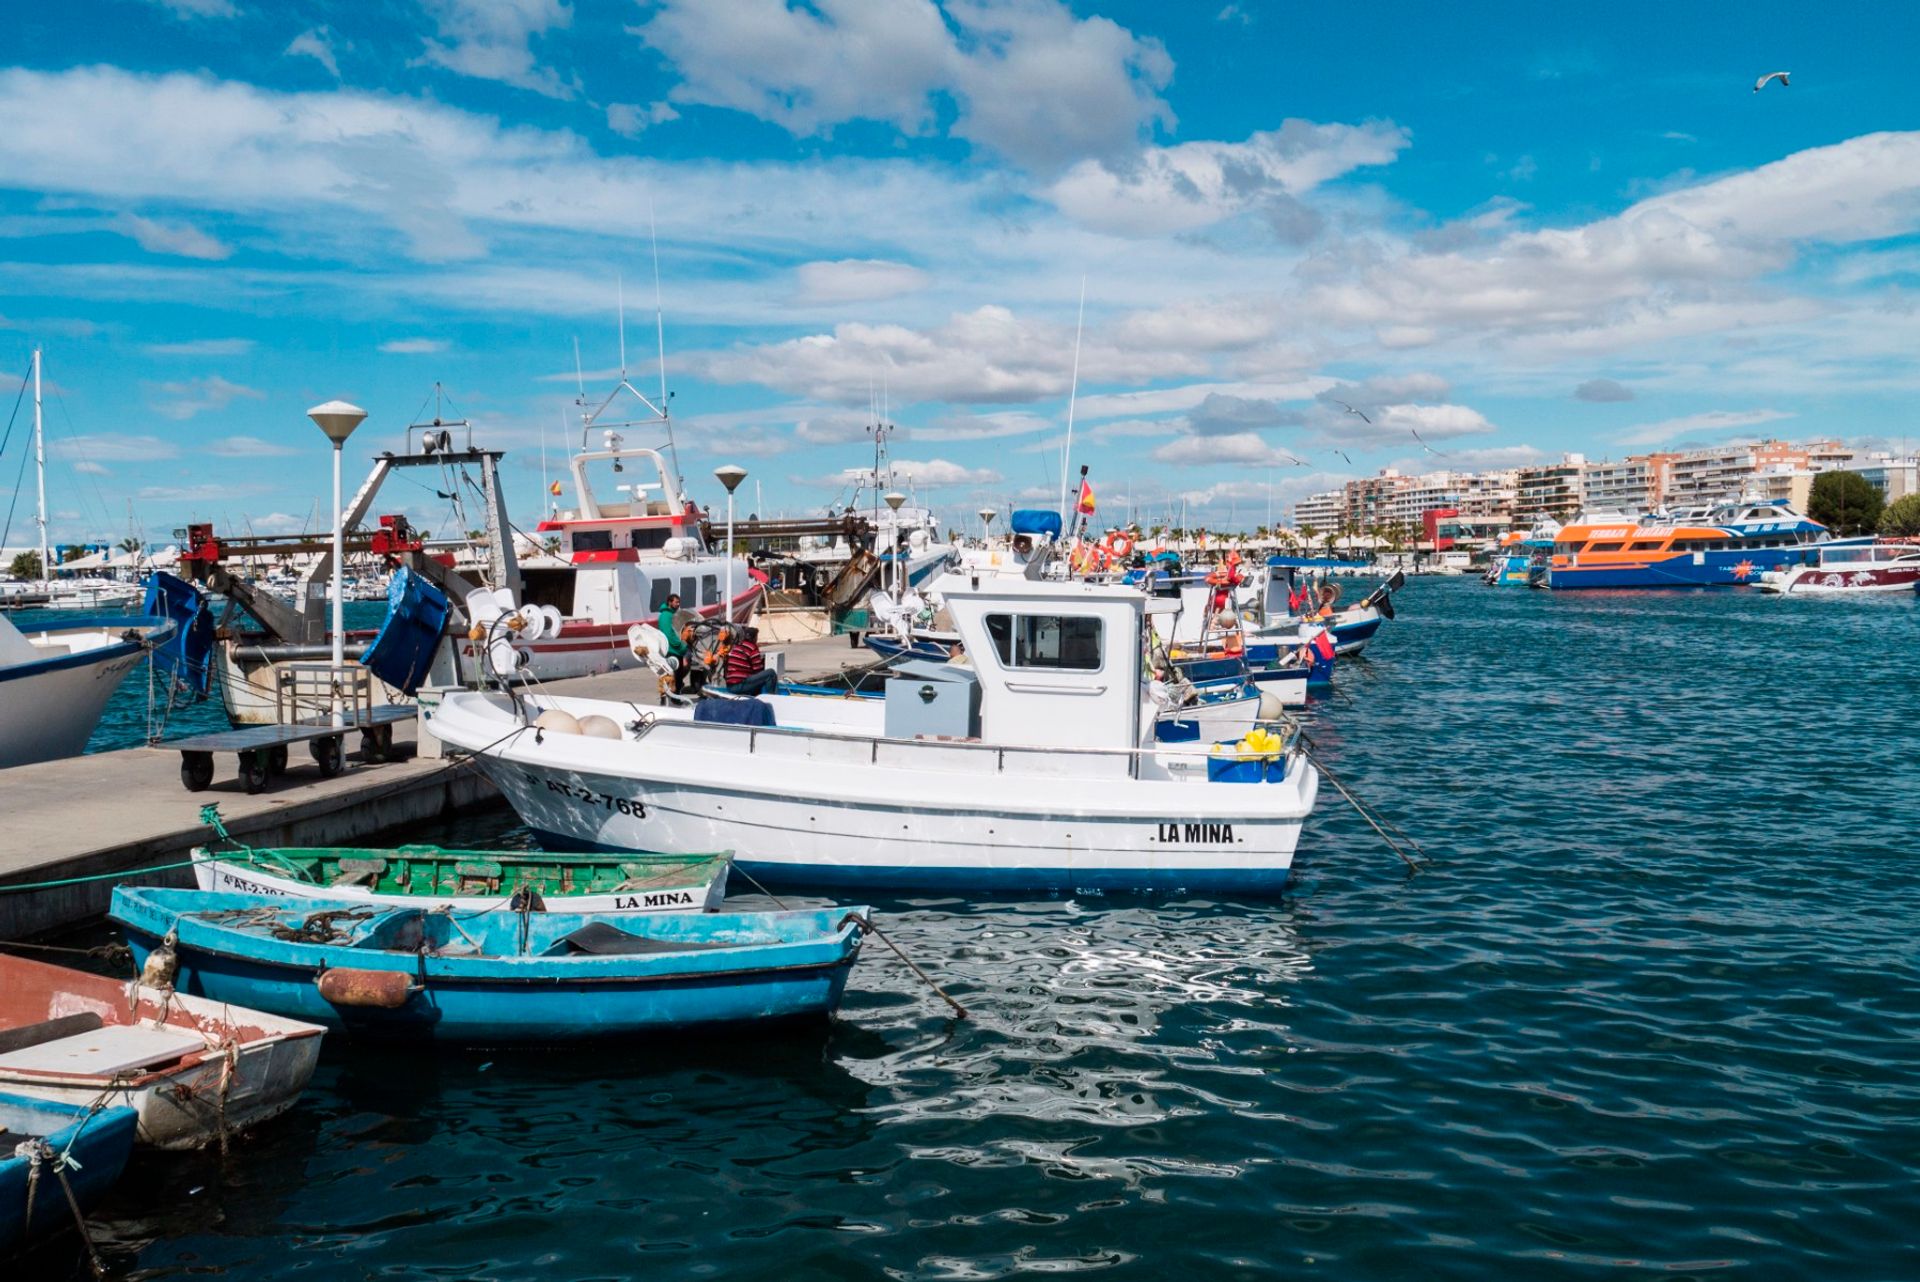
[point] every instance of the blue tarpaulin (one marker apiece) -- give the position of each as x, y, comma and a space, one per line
416, 616
1028, 520
188, 656
734, 712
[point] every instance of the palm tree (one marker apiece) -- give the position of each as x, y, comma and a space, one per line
131, 544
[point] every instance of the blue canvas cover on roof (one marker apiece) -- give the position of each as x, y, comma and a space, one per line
416, 616
1030, 520
187, 656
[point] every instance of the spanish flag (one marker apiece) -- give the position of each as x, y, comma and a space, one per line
1086, 498
554, 489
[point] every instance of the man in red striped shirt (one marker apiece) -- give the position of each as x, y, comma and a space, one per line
746, 671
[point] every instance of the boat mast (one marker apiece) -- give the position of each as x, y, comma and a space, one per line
40, 470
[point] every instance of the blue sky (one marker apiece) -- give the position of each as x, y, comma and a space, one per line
1505, 231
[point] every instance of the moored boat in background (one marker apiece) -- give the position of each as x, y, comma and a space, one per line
55, 680
1726, 545
1845, 567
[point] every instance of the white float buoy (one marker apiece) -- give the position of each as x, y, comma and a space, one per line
595, 726
559, 722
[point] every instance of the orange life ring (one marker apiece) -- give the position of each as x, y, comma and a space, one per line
1218, 576
1119, 545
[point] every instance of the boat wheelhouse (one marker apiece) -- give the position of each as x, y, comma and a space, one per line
624, 558
1726, 545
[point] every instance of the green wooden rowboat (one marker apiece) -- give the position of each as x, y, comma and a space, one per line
471, 879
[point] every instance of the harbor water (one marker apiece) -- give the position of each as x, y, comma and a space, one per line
1653, 1011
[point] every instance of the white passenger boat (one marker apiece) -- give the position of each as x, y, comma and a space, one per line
55, 681
1845, 567
1036, 768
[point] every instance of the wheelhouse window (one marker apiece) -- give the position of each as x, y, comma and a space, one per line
593, 540
1648, 545
709, 589
1045, 641
651, 536
1606, 547
658, 590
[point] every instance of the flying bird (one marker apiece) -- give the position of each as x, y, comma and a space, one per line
1423, 444
1343, 453
1349, 409
1781, 76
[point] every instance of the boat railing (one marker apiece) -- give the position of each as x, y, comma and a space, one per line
1184, 757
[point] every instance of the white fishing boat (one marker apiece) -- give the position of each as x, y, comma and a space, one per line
191, 1068
1034, 768
55, 681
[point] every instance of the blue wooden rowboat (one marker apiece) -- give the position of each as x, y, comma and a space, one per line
98, 1143
495, 978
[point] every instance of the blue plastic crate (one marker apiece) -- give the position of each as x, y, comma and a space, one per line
1230, 769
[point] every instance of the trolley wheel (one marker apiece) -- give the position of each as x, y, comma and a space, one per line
277, 759
330, 755
253, 771
196, 770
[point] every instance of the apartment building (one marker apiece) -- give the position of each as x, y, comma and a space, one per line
1554, 490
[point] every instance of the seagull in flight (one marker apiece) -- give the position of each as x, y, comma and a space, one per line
1342, 453
1349, 409
1781, 76
1423, 444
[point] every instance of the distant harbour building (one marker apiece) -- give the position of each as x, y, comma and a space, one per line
1772, 469
1555, 490
1895, 478
1625, 486
1325, 512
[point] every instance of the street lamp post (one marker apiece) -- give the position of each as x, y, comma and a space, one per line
894, 498
730, 476
986, 524
337, 419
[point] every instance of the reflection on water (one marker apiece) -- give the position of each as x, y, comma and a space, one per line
1652, 1012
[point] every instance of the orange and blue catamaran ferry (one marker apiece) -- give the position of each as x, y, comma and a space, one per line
1726, 545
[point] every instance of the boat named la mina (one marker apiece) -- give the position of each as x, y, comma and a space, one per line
1036, 768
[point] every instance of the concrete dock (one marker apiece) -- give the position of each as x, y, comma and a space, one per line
116, 812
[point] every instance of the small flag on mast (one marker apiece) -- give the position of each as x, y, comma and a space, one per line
554, 489
1086, 498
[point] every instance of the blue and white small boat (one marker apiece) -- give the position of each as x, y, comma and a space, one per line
495, 978
97, 1142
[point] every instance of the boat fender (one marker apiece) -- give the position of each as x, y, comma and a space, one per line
595, 726
380, 989
558, 721
1271, 709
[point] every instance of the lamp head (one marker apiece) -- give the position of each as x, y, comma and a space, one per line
894, 498
986, 515
730, 475
337, 419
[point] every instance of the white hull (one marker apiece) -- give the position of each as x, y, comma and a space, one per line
979, 816
51, 712
251, 879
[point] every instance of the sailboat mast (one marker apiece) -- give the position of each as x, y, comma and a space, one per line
40, 469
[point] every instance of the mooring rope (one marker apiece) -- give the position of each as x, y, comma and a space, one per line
867, 925
1379, 823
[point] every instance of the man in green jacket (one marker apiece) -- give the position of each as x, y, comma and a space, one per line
665, 621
